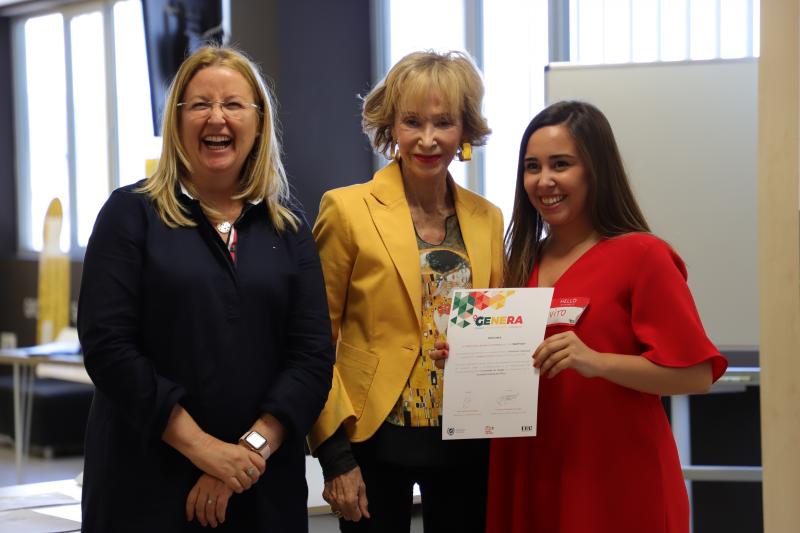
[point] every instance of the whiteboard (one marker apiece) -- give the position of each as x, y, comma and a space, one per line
687, 133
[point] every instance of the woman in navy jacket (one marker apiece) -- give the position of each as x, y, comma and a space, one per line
204, 324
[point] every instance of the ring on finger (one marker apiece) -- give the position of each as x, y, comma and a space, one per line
337, 513
210, 502
251, 471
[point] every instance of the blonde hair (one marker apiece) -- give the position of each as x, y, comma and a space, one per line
263, 176
410, 82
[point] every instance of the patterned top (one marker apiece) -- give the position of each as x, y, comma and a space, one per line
444, 267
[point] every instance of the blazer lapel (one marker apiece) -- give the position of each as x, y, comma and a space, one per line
476, 231
389, 210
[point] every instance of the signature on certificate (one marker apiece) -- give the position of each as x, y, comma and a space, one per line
507, 398
467, 399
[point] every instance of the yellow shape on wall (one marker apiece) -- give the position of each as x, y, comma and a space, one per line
53, 313
150, 166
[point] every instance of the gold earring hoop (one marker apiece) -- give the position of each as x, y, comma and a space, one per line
396, 154
464, 152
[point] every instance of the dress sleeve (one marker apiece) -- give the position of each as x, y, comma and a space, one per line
337, 253
300, 390
109, 320
664, 315
335, 455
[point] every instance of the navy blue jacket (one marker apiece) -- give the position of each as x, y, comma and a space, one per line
166, 317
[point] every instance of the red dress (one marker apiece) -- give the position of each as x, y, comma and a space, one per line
604, 459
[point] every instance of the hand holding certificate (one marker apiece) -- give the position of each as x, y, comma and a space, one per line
491, 387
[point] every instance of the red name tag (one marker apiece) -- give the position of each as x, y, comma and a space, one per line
566, 311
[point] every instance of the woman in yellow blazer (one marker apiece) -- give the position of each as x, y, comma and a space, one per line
392, 251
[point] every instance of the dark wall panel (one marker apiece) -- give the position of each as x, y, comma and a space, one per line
254, 30
324, 63
8, 195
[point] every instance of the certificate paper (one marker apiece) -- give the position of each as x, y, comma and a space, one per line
490, 386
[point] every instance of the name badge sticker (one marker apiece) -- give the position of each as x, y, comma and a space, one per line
566, 311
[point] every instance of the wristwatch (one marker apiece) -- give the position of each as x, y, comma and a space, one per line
256, 442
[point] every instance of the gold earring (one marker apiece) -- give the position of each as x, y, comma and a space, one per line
464, 152
396, 155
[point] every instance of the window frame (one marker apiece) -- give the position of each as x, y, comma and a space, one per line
22, 128
381, 63
749, 32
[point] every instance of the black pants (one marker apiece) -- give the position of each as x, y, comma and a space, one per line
452, 476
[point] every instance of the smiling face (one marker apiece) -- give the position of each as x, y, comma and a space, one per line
217, 145
427, 139
555, 178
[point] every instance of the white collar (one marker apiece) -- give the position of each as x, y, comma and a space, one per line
184, 191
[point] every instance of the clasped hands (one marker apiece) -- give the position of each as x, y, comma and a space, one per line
555, 354
227, 468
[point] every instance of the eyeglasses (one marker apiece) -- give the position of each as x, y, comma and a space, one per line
231, 109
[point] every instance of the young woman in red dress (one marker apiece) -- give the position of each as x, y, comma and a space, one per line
604, 459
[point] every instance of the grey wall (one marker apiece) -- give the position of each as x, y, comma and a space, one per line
318, 54
10, 297
8, 212
324, 63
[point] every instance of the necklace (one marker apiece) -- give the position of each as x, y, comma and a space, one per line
224, 227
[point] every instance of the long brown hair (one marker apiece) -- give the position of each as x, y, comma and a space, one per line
613, 209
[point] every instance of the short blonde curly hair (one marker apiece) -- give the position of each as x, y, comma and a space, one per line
410, 82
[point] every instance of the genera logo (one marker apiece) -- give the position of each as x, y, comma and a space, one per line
465, 305
497, 320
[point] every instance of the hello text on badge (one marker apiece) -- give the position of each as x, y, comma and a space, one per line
566, 311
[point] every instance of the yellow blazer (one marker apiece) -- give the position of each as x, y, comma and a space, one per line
370, 260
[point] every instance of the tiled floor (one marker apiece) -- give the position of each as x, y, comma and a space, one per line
36, 468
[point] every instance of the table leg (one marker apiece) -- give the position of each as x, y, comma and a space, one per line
17, 394
24, 377
30, 382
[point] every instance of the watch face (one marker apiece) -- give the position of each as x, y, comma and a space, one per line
255, 440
